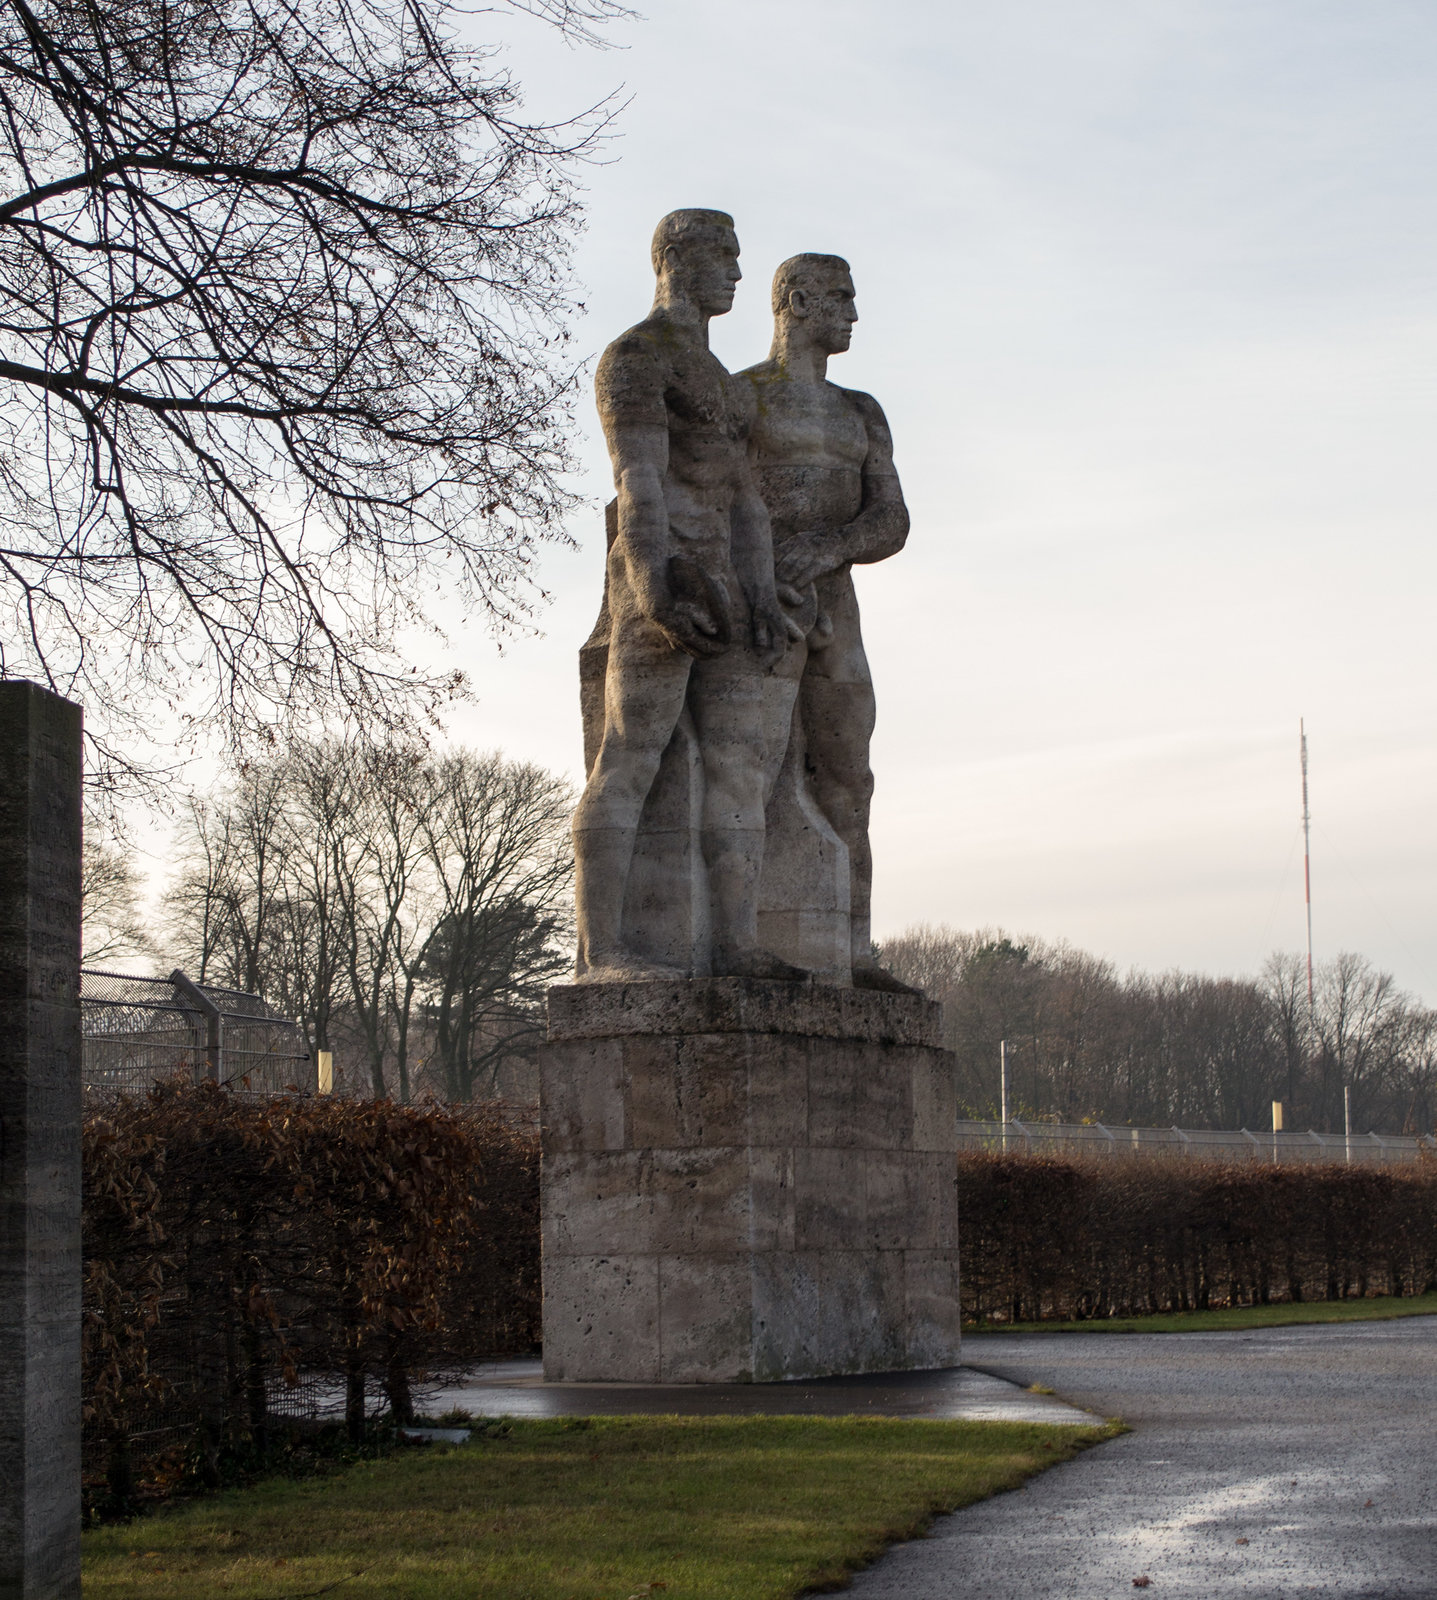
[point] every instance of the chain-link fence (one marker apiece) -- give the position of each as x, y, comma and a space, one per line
1201, 1144
139, 1031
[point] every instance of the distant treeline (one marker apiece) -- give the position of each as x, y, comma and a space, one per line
1157, 1049
410, 910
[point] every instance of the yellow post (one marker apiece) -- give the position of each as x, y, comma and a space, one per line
326, 1071
1277, 1116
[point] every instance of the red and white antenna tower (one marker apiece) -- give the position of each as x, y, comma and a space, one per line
1306, 860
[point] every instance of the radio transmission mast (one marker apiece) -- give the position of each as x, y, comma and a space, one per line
1306, 861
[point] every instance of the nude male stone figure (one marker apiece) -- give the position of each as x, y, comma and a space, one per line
824, 458
694, 620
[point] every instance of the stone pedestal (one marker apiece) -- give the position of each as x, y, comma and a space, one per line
746, 1181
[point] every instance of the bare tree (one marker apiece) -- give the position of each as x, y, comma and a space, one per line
1418, 1082
283, 286
1284, 983
408, 910
306, 969
231, 884
112, 923
497, 841
931, 956
383, 904
1211, 1042
1363, 1024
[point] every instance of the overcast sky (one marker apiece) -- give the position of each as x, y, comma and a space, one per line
1147, 291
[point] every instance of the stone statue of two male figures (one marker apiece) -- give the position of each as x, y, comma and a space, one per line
728, 705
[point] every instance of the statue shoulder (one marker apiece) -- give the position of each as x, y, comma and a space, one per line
762, 372
865, 405
880, 437
759, 383
643, 345
632, 375
876, 430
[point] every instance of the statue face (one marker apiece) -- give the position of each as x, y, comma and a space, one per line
828, 314
707, 267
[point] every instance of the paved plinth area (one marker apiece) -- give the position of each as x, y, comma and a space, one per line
518, 1389
1272, 1464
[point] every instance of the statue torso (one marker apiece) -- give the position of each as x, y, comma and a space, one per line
661, 375
810, 442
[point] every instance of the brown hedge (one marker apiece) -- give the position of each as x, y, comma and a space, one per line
1046, 1238
240, 1249
237, 1248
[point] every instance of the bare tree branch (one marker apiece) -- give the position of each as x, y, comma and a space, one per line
113, 925
283, 291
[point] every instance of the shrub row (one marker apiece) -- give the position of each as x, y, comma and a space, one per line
238, 1249
240, 1252
1046, 1238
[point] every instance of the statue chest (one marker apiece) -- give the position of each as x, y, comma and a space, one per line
704, 403
811, 428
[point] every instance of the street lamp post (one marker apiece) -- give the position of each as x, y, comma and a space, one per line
1003, 1087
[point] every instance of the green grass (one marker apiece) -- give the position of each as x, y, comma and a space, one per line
1378, 1309
710, 1508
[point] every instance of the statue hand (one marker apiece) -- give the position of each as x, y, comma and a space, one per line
800, 609
691, 629
804, 558
691, 610
773, 628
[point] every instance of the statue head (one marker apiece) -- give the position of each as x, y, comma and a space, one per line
813, 300
695, 256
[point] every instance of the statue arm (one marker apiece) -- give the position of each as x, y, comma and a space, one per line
753, 561
640, 456
636, 430
878, 531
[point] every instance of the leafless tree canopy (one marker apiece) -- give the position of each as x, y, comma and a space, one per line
408, 910
1158, 1049
113, 924
282, 297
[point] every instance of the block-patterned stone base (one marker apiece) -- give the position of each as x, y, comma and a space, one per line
746, 1181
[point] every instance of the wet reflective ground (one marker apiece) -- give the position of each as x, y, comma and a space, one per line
1268, 1465
517, 1389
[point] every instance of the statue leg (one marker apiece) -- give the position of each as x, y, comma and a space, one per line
644, 689
733, 706
838, 711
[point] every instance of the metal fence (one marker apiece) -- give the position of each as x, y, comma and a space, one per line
1201, 1144
137, 1031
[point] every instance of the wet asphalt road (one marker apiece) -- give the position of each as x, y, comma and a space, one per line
1268, 1465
